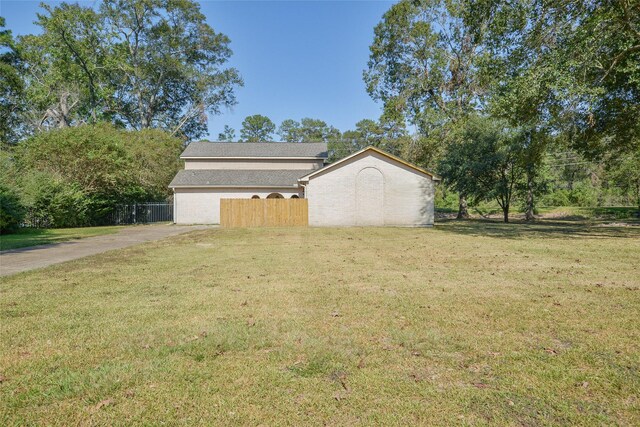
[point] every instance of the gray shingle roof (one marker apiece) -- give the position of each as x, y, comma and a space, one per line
256, 149
237, 178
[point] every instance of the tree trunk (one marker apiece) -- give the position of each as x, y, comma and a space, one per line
463, 212
529, 216
505, 213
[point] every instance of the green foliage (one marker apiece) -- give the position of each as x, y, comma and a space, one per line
386, 134
445, 199
561, 71
11, 88
257, 128
625, 171
487, 163
66, 67
154, 157
289, 131
75, 176
227, 135
307, 130
136, 63
423, 67
51, 202
422, 63
570, 65
11, 210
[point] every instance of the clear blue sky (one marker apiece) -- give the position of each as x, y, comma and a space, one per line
297, 58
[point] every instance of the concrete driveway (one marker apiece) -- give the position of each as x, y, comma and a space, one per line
24, 259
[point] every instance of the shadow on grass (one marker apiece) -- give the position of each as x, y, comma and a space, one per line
541, 229
35, 237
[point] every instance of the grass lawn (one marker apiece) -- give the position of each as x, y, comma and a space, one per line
579, 213
468, 323
570, 213
36, 236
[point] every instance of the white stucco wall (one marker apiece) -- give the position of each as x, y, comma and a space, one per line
257, 164
202, 205
338, 197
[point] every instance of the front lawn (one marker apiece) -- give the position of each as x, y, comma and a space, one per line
39, 236
468, 323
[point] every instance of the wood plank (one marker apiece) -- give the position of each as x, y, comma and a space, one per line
264, 212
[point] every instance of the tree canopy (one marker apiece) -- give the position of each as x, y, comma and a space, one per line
307, 130
137, 64
561, 72
257, 128
11, 88
77, 175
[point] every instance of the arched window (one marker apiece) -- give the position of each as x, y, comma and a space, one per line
275, 196
255, 196
295, 196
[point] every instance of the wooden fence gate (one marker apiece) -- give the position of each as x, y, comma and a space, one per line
264, 212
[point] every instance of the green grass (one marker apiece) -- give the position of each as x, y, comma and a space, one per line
583, 213
467, 323
571, 213
35, 236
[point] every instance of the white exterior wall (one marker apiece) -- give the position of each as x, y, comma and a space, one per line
202, 205
407, 195
257, 164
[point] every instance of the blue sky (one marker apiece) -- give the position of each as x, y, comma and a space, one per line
297, 58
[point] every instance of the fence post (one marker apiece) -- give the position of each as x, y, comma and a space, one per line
135, 209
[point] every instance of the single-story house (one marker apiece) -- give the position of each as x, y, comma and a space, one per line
370, 187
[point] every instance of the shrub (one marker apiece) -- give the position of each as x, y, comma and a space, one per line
11, 211
76, 176
559, 197
51, 202
583, 194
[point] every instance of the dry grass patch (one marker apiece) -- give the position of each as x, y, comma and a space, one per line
466, 323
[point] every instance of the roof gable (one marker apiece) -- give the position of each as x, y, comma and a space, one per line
372, 150
316, 150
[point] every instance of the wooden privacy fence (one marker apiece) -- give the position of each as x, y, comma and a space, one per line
264, 212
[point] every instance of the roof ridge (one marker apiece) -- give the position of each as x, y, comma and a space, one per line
257, 142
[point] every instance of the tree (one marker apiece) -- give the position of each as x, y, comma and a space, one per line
315, 130
171, 71
384, 134
137, 63
307, 130
423, 66
597, 62
257, 128
367, 132
66, 67
11, 88
92, 168
227, 135
487, 163
11, 210
563, 67
289, 131
155, 160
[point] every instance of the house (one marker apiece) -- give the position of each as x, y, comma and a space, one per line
370, 187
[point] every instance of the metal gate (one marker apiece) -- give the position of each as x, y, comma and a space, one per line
142, 213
